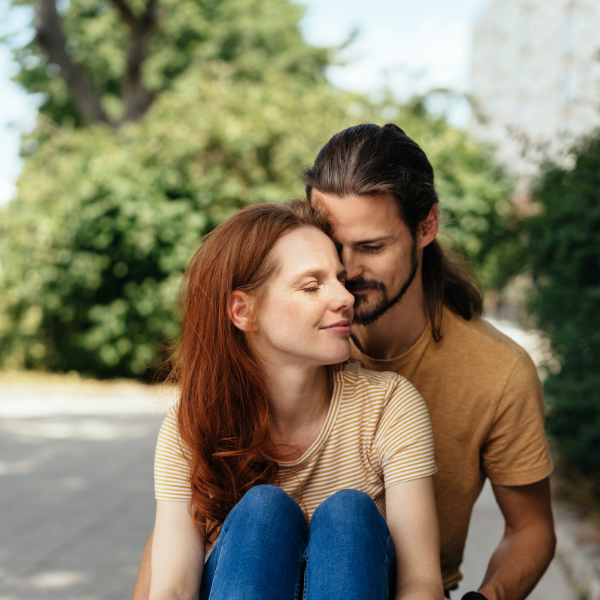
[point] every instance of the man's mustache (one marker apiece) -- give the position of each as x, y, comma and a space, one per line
360, 283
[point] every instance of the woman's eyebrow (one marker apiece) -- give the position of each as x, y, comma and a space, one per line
316, 274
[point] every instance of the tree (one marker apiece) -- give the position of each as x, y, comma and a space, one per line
107, 213
561, 245
475, 193
109, 60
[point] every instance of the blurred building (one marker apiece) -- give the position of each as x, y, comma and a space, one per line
536, 77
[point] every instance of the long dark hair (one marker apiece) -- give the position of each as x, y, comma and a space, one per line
223, 414
373, 160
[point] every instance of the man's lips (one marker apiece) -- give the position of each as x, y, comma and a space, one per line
342, 327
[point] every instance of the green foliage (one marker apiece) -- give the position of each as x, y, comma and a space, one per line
94, 245
245, 34
562, 246
474, 194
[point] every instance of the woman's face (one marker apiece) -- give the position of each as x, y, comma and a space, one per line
305, 315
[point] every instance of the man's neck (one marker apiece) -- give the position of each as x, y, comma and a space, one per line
397, 330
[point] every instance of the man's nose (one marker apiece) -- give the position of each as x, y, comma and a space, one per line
352, 265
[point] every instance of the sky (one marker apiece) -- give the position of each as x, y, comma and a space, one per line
408, 46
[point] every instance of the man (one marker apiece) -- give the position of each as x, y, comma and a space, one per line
417, 312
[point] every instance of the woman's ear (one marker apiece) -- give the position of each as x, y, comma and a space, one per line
239, 311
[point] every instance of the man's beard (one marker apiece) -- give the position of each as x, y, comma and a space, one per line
383, 302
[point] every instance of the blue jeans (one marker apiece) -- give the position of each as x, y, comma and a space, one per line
265, 550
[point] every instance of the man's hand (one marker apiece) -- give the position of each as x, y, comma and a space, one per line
528, 544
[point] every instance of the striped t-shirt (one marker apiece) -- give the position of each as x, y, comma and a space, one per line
377, 433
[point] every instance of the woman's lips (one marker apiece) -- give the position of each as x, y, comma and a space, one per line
341, 327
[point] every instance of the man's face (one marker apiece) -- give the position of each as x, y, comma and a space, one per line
377, 250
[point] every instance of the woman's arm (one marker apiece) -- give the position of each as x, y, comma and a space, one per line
412, 520
177, 553
142, 583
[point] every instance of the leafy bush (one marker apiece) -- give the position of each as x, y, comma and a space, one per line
562, 248
93, 247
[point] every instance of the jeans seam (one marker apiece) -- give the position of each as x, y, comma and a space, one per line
298, 578
389, 543
305, 590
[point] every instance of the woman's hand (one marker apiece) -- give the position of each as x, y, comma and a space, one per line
177, 553
412, 521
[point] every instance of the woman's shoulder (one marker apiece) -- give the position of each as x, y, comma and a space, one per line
170, 421
168, 436
363, 380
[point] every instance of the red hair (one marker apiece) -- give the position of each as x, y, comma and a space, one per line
223, 414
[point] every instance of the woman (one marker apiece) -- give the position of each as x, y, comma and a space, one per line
278, 453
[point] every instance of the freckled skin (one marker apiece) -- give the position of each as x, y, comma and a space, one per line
303, 300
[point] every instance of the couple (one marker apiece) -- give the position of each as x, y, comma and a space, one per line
301, 457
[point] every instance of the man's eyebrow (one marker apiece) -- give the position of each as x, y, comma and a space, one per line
372, 241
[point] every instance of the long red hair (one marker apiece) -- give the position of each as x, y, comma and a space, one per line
223, 414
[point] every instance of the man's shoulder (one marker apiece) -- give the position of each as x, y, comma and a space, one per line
471, 354
478, 356
478, 339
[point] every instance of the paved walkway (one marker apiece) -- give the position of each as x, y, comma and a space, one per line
76, 494
485, 532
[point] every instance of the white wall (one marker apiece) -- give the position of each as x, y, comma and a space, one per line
536, 76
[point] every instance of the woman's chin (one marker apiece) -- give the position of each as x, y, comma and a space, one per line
339, 354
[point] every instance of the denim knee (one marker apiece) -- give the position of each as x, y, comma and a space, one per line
350, 553
264, 501
351, 510
347, 504
259, 551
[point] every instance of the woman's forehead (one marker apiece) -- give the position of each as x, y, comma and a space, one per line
303, 250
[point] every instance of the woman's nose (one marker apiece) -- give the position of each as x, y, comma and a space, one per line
345, 299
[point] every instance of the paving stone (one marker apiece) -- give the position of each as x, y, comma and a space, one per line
485, 531
77, 502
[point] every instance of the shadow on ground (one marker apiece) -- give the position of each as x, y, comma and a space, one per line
76, 504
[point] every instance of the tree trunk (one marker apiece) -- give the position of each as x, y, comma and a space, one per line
52, 39
136, 97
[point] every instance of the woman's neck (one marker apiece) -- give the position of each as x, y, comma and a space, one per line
299, 401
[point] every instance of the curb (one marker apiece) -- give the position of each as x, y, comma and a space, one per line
578, 549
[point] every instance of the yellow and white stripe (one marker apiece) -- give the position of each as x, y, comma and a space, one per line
377, 434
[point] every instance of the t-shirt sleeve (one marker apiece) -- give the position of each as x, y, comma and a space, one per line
404, 440
516, 451
171, 466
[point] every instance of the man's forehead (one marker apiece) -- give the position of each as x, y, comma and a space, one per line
360, 219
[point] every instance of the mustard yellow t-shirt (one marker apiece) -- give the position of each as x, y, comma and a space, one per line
487, 413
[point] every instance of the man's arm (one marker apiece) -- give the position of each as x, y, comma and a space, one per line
142, 584
528, 544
